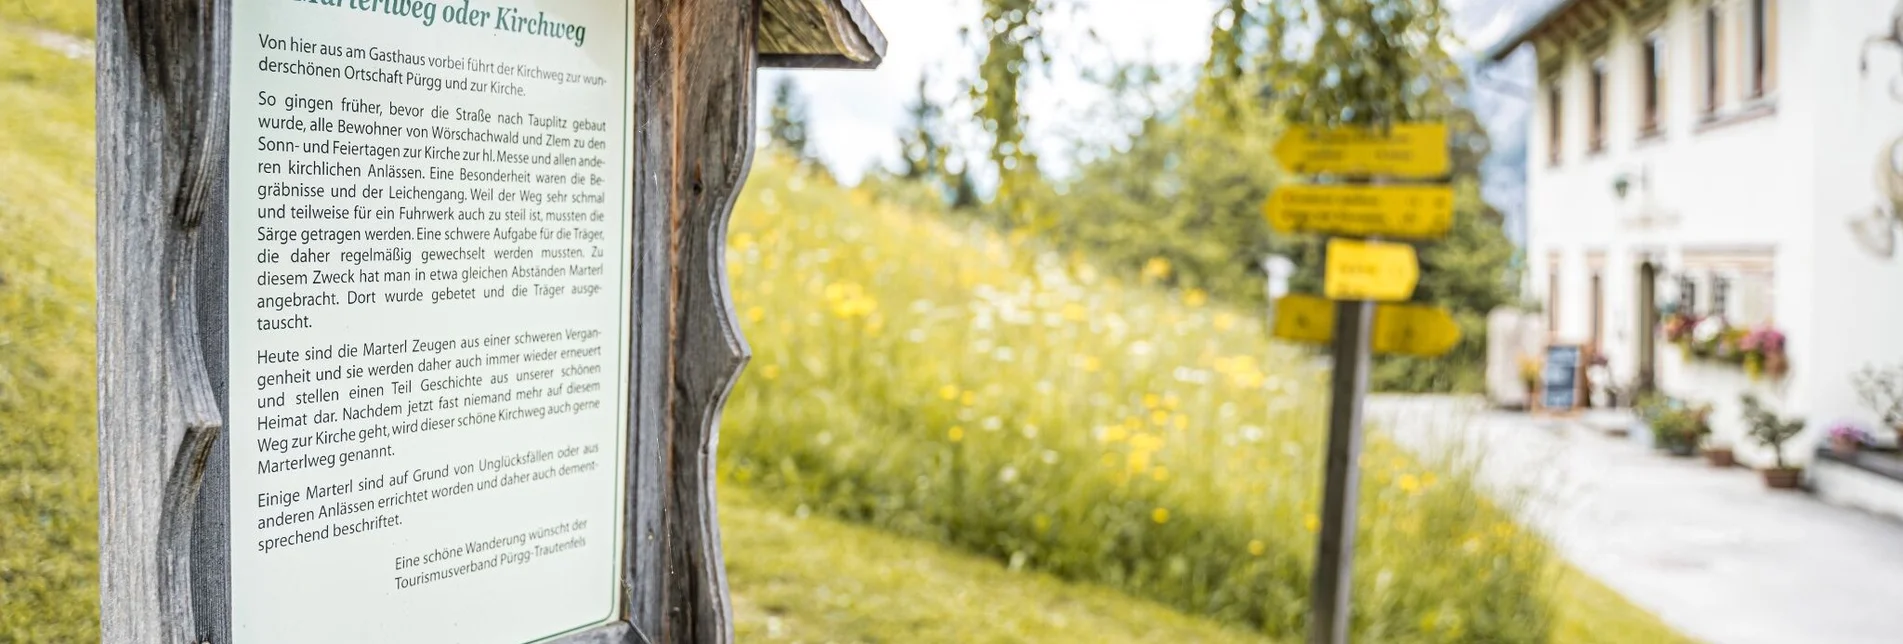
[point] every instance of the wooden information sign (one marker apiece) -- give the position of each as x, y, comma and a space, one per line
413, 324
1412, 212
1415, 151
1358, 270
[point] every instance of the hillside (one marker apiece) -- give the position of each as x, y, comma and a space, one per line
1019, 417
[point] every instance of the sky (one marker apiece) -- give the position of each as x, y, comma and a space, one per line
854, 116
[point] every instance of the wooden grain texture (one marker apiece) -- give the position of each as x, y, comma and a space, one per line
163, 126
819, 34
714, 122
161, 105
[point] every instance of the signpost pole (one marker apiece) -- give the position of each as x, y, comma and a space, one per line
1335, 551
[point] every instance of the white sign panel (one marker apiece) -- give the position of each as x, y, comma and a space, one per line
429, 318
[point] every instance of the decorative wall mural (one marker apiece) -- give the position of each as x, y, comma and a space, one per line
1877, 230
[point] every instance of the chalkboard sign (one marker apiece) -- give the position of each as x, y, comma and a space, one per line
1559, 388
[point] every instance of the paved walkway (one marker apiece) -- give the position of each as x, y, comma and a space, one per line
1712, 552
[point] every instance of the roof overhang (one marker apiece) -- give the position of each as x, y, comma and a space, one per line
1542, 23
819, 34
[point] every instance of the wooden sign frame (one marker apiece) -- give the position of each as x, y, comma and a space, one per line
163, 91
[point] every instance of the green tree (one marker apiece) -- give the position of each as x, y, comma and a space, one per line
786, 121
1013, 31
927, 154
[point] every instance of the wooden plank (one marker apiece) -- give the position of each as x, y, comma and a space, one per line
654, 69
819, 34
161, 102
715, 53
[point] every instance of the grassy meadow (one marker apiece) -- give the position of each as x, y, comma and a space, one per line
945, 435
48, 547
942, 381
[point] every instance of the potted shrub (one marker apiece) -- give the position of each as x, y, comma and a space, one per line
1718, 453
1530, 378
1847, 438
1679, 429
1772, 432
1882, 391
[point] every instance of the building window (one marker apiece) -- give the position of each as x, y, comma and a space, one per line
1552, 296
1761, 51
1714, 41
1720, 296
1554, 126
1687, 296
1653, 92
1598, 95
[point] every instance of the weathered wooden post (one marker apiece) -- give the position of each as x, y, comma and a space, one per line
413, 323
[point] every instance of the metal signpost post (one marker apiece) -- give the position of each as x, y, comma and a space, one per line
1358, 273
413, 322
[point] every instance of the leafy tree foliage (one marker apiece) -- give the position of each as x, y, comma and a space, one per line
1013, 33
786, 121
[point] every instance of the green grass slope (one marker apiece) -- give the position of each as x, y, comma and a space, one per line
815, 579
846, 411
48, 523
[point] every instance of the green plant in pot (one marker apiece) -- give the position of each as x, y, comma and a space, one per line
1881, 389
1678, 429
1771, 431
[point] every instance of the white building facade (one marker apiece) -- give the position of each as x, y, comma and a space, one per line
1709, 158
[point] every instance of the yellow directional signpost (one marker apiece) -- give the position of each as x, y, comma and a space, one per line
1413, 212
1370, 271
1399, 329
1359, 272
1416, 151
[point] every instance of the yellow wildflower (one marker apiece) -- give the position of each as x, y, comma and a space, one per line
1195, 297
1408, 483
756, 314
956, 434
1156, 269
1160, 515
968, 398
1311, 522
948, 392
1256, 547
1224, 321
770, 372
1160, 474
1115, 434
1138, 461
1180, 422
1160, 417
1151, 401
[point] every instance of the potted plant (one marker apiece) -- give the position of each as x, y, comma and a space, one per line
1882, 391
1530, 378
1772, 432
1718, 453
1764, 353
1679, 428
1847, 438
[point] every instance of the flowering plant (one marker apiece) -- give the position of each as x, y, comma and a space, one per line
1677, 326
1849, 431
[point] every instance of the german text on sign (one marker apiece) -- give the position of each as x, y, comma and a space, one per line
1399, 329
1413, 212
428, 319
1358, 270
1412, 151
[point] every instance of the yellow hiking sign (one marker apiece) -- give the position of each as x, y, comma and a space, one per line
1370, 271
1412, 151
1413, 212
1399, 329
